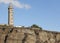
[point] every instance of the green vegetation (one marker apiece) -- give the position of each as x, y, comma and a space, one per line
36, 26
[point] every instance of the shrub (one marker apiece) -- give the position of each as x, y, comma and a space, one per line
36, 26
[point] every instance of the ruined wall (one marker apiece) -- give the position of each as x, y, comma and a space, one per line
25, 35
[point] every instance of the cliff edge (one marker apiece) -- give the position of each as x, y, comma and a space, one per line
10, 34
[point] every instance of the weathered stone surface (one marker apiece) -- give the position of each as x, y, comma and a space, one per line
24, 35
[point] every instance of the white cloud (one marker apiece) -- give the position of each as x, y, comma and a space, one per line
16, 3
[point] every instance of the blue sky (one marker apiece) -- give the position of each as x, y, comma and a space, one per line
45, 13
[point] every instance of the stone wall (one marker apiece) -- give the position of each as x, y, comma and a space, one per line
27, 35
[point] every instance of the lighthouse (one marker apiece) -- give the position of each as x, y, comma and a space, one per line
10, 14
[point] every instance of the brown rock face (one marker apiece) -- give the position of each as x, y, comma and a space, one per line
25, 35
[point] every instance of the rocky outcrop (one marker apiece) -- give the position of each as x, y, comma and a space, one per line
27, 35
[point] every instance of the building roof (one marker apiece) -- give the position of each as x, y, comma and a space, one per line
10, 6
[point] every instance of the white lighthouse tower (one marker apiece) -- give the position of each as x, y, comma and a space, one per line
10, 14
